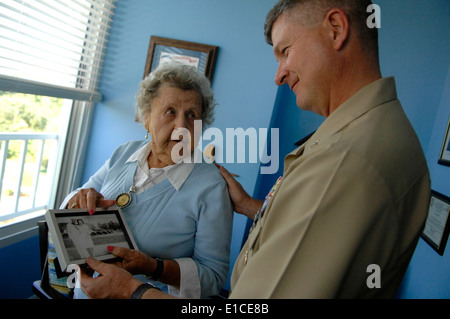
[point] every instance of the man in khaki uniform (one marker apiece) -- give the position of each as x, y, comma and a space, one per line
349, 199
344, 220
354, 198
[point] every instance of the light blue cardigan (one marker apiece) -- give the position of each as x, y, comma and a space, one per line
194, 222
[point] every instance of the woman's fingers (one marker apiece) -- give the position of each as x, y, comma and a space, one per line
89, 198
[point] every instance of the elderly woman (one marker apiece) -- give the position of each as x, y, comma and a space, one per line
179, 211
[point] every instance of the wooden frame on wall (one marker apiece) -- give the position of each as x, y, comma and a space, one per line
202, 56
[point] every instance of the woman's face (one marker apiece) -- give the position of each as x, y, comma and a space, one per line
172, 111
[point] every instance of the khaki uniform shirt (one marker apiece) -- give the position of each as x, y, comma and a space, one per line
355, 195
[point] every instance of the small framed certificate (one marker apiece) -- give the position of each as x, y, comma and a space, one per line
437, 225
201, 56
78, 235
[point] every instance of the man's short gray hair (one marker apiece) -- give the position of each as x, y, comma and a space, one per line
308, 12
180, 76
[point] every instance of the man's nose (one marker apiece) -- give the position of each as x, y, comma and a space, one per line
281, 75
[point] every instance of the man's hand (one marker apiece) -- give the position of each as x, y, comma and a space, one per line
243, 203
113, 282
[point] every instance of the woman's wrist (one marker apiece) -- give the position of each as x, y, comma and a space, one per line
159, 270
150, 267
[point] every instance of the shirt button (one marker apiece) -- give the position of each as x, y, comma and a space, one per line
315, 143
245, 257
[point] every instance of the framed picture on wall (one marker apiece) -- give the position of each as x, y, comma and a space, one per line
437, 225
444, 158
201, 56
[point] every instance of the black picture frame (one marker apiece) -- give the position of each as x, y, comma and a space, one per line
202, 56
444, 157
76, 234
437, 225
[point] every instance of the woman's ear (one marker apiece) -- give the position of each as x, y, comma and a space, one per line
338, 25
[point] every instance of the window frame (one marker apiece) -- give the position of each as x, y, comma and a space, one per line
72, 155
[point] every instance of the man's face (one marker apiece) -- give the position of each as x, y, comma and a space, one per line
303, 62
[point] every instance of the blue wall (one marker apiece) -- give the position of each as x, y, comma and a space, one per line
428, 275
19, 267
415, 48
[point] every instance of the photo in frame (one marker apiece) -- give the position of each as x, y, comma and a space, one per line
444, 158
202, 56
437, 225
77, 235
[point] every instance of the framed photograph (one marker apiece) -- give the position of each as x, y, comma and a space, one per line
437, 225
201, 56
78, 235
444, 158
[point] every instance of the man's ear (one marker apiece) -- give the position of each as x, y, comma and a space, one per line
338, 25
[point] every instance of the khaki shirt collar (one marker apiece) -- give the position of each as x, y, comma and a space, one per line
369, 97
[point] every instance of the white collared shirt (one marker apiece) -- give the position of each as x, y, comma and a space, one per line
146, 178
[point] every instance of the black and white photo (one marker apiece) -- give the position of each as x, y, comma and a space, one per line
78, 235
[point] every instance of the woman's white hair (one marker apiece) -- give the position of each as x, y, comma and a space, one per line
180, 76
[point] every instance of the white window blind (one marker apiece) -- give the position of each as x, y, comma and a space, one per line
54, 47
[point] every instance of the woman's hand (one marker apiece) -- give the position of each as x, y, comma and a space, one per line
134, 261
243, 203
89, 198
139, 263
